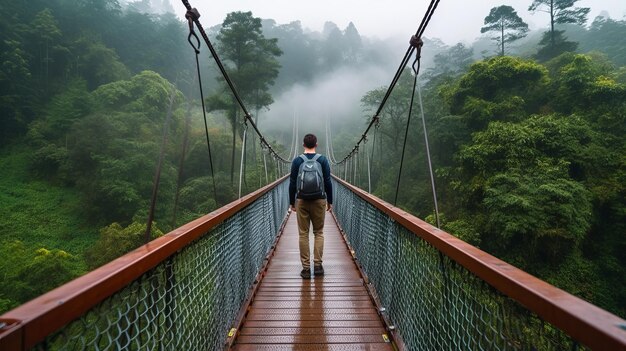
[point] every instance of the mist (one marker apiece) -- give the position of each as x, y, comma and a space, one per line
335, 96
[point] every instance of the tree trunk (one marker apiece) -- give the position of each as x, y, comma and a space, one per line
502, 41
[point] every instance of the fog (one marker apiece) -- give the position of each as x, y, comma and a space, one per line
336, 95
453, 21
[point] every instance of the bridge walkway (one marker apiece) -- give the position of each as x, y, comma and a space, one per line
333, 312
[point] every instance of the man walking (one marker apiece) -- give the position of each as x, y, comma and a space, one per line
310, 183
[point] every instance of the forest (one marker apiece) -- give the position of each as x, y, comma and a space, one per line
526, 127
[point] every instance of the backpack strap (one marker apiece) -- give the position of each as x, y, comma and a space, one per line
316, 157
304, 158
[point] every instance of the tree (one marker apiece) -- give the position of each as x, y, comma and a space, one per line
505, 21
451, 62
561, 12
553, 44
607, 35
250, 61
501, 88
354, 44
116, 240
393, 116
46, 30
299, 60
113, 150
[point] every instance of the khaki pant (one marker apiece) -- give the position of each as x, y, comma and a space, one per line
311, 211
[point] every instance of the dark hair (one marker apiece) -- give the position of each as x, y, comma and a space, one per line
310, 141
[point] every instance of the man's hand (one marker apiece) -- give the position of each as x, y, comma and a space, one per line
329, 207
292, 208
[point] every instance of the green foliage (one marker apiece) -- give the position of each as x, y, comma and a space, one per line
112, 152
501, 88
29, 272
62, 111
451, 62
607, 35
464, 230
116, 240
98, 63
529, 207
529, 166
553, 44
250, 58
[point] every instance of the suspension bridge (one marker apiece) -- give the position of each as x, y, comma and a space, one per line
229, 280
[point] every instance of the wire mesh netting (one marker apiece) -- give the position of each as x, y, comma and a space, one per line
435, 303
189, 301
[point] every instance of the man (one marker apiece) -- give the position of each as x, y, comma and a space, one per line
312, 201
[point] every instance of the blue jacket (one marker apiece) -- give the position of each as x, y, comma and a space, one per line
295, 167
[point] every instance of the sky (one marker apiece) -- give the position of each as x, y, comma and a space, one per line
453, 21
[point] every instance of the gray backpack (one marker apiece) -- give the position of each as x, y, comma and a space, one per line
310, 184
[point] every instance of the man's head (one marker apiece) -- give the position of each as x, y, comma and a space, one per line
310, 141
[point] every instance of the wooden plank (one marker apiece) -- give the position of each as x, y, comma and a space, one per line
296, 316
309, 339
333, 312
314, 347
312, 324
313, 331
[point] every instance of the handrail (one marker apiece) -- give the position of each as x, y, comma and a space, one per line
30, 323
584, 322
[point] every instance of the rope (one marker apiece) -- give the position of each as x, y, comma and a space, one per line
369, 175
265, 165
192, 16
332, 147
243, 153
355, 176
371, 157
430, 165
406, 131
196, 48
412, 47
295, 134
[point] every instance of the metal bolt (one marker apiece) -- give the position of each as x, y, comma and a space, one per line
382, 310
622, 326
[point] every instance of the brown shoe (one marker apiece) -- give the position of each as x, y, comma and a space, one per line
305, 273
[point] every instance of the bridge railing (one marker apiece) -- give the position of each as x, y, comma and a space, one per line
440, 293
182, 291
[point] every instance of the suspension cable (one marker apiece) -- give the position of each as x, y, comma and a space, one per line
267, 180
196, 48
330, 138
369, 175
295, 134
412, 48
293, 138
430, 165
406, 131
243, 153
193, 16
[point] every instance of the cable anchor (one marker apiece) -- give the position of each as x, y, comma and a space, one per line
417, 43
193, 15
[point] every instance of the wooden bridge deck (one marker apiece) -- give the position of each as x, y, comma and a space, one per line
333, 312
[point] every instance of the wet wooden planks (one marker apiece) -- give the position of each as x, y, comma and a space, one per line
333, 312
